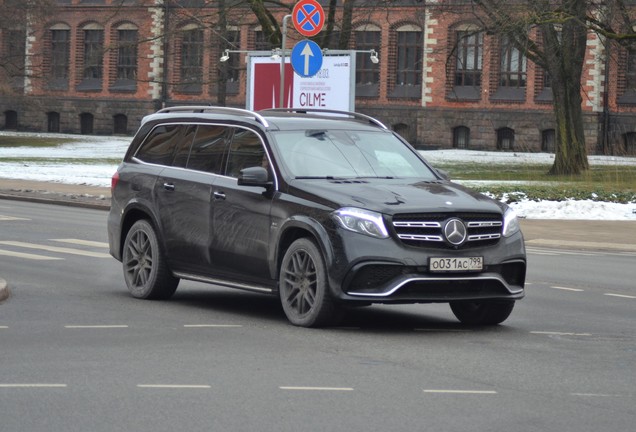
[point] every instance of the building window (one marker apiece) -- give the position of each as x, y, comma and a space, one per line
11, 120
191, 61
408, 71
86, 123
367, 72
93, 54
512, 72
513, 65
60, 60
468, 64
53, 121
233, 64
461, 137
469, 61
126, 60
92, 66
630, 143
505, 139
261, 43
548, 141
120, 124
13, 62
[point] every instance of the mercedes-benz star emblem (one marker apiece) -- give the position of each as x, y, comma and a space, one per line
455, 232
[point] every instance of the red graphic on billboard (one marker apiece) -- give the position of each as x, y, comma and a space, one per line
267, 86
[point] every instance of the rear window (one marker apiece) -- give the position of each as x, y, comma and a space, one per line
159, 146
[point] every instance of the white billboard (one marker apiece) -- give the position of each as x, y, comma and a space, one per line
333, 87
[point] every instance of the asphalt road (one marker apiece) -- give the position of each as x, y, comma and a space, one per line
78, 354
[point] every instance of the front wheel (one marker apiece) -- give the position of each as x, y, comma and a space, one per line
482, 312
145, 270
303, 288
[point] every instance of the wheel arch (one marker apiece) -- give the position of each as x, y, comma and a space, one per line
299, 227
134, 212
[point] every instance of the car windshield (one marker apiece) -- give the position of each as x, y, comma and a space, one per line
348, 154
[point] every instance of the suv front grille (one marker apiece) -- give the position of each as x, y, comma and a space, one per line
427, 229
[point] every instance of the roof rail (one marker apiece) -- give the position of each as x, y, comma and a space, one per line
354, 115
215, 109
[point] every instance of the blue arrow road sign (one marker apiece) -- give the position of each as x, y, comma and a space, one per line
306, 58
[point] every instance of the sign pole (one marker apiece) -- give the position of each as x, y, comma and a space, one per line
281, 103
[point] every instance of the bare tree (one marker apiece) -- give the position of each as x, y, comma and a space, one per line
554, 34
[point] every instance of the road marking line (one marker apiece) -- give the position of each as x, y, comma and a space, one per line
566, 289
173, 386
316, 388
82, 242
477, 392
33, 385
95, 326
212, 326
4, 327
56, 249
620, 295
552, 333
28, 256
4, 218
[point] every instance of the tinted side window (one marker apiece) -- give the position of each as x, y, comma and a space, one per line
160, 144
183, 147
208, 148
246, 151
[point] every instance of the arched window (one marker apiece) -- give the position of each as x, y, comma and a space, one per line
86, 123
93, 60
191, 70
468, 61
53, 121
367, 37
11, 120
505, 139
402, 129
120, 124
630, 143
126, 63
548, 141
408, 62
461, 137
60, 55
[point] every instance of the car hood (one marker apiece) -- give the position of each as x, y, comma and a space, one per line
392, 196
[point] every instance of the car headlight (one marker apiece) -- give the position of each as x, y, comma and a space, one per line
361, 221
511, 223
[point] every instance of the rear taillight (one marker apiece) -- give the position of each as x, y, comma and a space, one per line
113, 181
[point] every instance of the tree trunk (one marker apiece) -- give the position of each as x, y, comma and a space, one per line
571, 154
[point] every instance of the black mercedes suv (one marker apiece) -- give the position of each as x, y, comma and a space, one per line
325, 209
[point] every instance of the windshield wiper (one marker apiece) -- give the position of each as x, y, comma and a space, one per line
318, 178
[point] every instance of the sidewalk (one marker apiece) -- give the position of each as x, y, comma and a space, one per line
618, 236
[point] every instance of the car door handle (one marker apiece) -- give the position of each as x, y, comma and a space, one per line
219, 195
168, 186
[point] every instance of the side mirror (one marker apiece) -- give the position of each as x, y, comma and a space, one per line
254, 176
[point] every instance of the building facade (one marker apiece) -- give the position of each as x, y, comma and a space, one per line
99, 66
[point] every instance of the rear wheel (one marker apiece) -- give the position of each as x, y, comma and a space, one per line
145, 269
304, 292
482, 312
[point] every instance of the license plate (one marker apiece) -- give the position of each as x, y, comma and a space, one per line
458, 264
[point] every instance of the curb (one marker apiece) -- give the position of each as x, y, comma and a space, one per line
58, 201
4, 290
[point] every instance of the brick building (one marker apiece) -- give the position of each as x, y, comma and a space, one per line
99, 66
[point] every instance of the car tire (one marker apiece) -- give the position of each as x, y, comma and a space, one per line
145, 269
303, 287
482, 312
